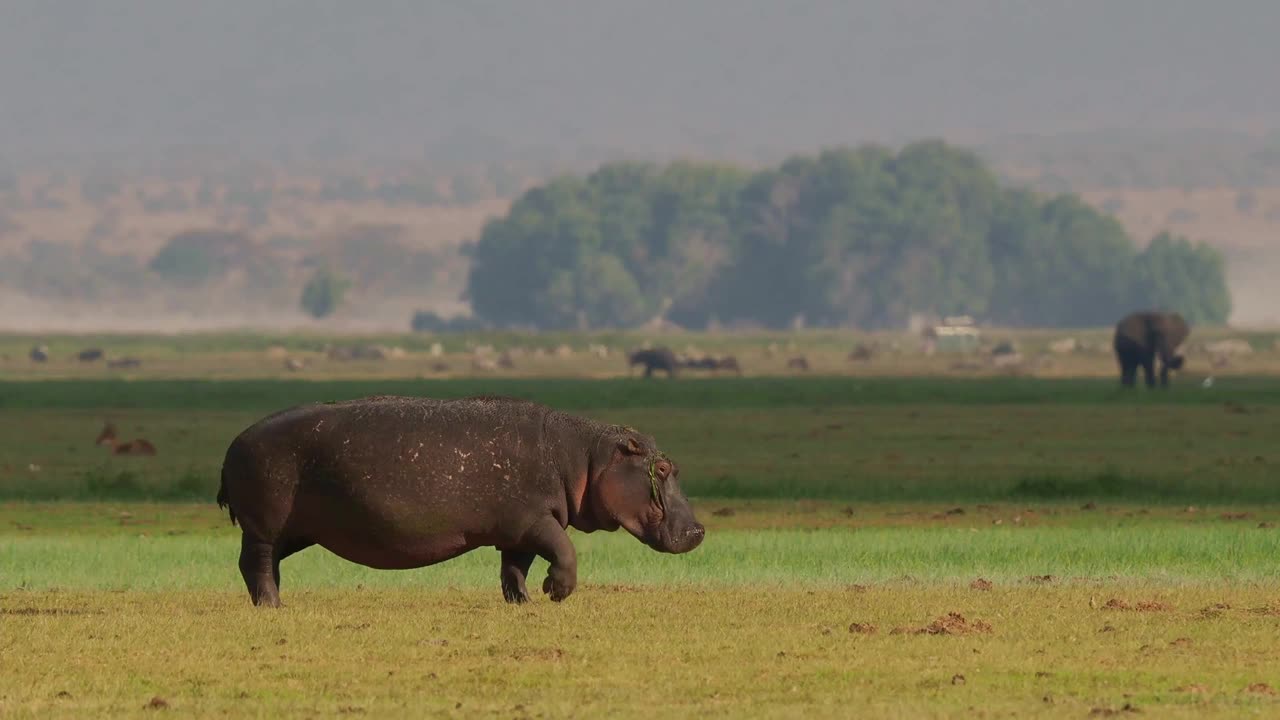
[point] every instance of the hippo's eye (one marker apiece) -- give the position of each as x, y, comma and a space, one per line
653, 482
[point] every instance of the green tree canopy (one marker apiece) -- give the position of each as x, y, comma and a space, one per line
196, 256
850, 237
323, 293
1173, 274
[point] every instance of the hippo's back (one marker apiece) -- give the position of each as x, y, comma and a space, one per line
383, 461
380, 412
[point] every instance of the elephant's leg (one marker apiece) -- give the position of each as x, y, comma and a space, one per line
1164, 375
1149, 371
1128, 372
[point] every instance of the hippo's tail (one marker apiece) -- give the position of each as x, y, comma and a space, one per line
223, 501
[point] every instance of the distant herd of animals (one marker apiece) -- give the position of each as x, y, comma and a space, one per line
664, 360
1146, 340
40, 354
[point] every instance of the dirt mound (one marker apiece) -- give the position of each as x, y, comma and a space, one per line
980, 584
862, 628
1109, 712
547, 654
1142, 606
953, 623
1214, 610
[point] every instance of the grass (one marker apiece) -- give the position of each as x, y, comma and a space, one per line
640, 652
240, 356
141, 547
1142, 452
615, 394
1169, 615
105, 607
829, 503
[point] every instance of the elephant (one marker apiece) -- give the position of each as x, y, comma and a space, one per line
1141, 337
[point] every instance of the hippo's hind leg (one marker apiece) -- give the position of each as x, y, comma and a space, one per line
515, 568
284, 549
257, 565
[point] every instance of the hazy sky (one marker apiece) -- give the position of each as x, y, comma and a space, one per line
132, 74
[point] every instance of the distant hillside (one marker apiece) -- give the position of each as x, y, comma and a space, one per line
75, 245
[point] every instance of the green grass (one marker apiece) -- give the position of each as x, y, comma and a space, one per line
1233, 552
828, 502
1159, 453
105, 607
618, 394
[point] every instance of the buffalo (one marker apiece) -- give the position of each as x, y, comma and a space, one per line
655, 359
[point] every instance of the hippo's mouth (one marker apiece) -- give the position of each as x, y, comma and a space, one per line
666, 541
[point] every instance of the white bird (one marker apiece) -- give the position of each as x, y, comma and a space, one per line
1208, 383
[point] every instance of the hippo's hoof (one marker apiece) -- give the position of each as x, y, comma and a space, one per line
556, 589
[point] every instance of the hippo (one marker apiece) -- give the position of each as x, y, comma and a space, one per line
395, 482
1142, 336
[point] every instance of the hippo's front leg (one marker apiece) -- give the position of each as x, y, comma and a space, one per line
515, 568
551, 542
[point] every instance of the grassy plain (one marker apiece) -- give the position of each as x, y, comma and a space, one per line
761, 354
621, 651
1103, 550
838, 439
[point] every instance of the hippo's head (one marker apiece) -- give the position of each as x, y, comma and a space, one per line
639, 490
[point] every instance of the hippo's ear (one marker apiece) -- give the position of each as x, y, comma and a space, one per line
630, 446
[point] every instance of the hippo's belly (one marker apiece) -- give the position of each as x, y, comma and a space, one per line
381, 535
396, 556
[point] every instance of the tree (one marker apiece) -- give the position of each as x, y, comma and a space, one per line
1057, 262
850, 237
197, 256
323, 293
1173, 274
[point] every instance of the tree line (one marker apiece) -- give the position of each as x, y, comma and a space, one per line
852, 237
